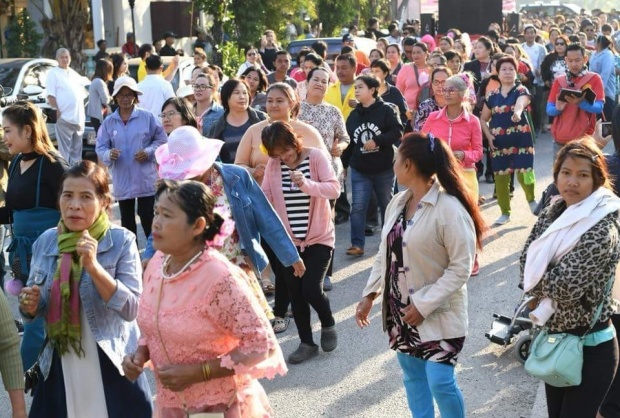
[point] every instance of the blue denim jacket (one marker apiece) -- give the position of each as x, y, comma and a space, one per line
114, 323
254, 219
208, 119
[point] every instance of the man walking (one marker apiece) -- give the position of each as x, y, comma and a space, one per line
66, 94
155, 89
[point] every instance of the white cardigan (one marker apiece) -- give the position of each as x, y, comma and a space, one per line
439, 253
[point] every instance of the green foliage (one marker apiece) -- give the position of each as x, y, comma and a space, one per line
23, 40
336, 14
232, 58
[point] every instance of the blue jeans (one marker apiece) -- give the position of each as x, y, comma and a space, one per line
425, 380
362, 186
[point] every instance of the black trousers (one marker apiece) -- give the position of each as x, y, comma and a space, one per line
611, 405
308, 291
281, 299
145, 212
583, 401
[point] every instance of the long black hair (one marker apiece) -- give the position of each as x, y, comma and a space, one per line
432, 157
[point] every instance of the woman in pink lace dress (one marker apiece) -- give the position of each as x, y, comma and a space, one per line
204, 332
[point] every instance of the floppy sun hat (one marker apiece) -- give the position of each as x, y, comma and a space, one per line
187, 154
125, 81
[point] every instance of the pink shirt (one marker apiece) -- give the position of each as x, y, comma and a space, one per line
208, 312
322, 186
461, 134
408, 85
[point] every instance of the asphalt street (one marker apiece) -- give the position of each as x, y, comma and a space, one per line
361, 378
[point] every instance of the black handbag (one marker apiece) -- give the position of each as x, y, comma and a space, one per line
33, 374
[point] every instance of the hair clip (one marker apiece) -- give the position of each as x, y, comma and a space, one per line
594, 157
431, 138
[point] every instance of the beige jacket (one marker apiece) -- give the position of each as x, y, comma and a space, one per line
438, 258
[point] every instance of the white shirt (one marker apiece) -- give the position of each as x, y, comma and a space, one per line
537, 53
155, 91
67, 87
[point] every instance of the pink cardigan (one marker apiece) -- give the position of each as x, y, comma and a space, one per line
321, 187
462, 134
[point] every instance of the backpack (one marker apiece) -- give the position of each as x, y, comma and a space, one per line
573, 122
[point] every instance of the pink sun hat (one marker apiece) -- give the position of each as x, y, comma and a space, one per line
187, 154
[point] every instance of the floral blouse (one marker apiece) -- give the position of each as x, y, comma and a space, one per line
427, 107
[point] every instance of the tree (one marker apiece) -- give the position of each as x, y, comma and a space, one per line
334, 15
23, 40
66, 27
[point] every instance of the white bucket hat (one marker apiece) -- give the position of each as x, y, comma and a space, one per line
125, 81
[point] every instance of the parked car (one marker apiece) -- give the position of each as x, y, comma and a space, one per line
552, 8
186, 65
26, 79
334, 45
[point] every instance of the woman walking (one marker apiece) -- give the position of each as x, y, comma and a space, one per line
510, 136
299, 182
427, 251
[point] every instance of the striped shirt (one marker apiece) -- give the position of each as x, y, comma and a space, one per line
297, 202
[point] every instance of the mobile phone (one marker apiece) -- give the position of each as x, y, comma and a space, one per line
605, 129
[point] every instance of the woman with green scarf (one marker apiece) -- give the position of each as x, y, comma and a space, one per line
85, 281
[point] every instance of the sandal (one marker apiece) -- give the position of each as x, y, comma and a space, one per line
279, 324
268, 287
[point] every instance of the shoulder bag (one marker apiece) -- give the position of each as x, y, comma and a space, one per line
557, 359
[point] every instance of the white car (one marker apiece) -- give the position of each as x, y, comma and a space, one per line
26, 79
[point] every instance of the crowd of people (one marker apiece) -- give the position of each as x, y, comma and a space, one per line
243, 177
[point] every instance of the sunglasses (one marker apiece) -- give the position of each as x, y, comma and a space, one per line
560, 44
251, 54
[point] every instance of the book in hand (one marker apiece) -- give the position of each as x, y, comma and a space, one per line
588, 94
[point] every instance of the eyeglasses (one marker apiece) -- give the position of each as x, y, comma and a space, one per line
560, 44
125, 96
449, 90
438, 83
201, 87
590, 30
168, 115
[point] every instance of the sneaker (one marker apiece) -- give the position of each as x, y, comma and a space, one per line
341, 219
489, 178
327, 284
476, 270
20, 326
303, 353
329, 339
502, 220
369, 231
357, 251
533, 205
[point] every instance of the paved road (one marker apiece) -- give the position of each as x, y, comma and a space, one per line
362, 378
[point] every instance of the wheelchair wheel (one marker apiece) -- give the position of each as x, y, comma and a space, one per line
522, 348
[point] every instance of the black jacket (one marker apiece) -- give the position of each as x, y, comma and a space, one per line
379, 122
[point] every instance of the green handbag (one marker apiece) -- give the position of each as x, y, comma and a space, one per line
557, 359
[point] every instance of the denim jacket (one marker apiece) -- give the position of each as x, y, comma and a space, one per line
211, 116
114, 323
254, 219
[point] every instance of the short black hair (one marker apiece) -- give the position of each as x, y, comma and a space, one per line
314, 58
282, 52
371, 82
320, 48
227, 89
99, 42
346, 50
153, 62
144, 48
576, 46
348, 57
